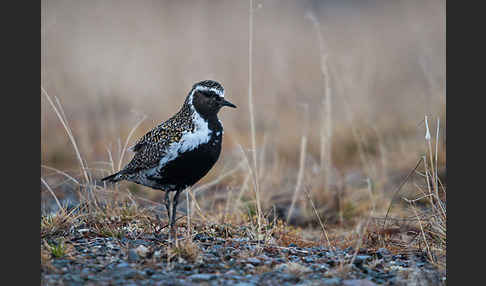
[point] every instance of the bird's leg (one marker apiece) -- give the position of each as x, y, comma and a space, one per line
174, 211
167, 205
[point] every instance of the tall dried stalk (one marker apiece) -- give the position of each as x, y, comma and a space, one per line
252, 117
318, 218
62, 173
60, 114
433, 229
326, 121
52, 193
125, 146
200, 189
364, 231
300, 176
432, 170
189, 229
83, 165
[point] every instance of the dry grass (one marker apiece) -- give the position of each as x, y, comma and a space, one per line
187, 250
360, 224
432, 220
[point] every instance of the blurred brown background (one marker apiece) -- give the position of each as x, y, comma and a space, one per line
112, 62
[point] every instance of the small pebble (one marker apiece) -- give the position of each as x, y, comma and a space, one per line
202, 277
133, 255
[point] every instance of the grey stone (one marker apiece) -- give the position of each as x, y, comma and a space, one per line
308, 259
245, 284
383, 252
358, 282
130, 273
202, 277
254, 261
158, 277
133, 256
360, 259
289, 277
331, 281
122, 265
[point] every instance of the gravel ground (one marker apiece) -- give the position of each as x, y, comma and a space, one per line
136, 256
92, 260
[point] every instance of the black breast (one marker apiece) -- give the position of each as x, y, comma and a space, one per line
190, 166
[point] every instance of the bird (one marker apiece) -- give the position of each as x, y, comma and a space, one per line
177, 153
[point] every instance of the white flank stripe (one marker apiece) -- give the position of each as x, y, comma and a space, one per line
201, 134
189, 140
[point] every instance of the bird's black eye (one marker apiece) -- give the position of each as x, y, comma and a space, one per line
212, 95
208, 94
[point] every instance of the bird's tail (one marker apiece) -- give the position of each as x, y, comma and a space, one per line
113, 178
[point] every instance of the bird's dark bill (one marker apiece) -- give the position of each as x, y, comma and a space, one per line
227, 103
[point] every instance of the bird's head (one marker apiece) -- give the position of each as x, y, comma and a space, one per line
207, 97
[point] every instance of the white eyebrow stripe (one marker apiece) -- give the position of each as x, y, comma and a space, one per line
219, 92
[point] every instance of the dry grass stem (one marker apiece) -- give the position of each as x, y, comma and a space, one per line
62, 173
60, 114
123, 151
319, 219
327, 118
252, 116
200, 189
395, 193
300, 175
365, 230
52, 193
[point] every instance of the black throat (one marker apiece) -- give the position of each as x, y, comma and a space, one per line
213, 122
